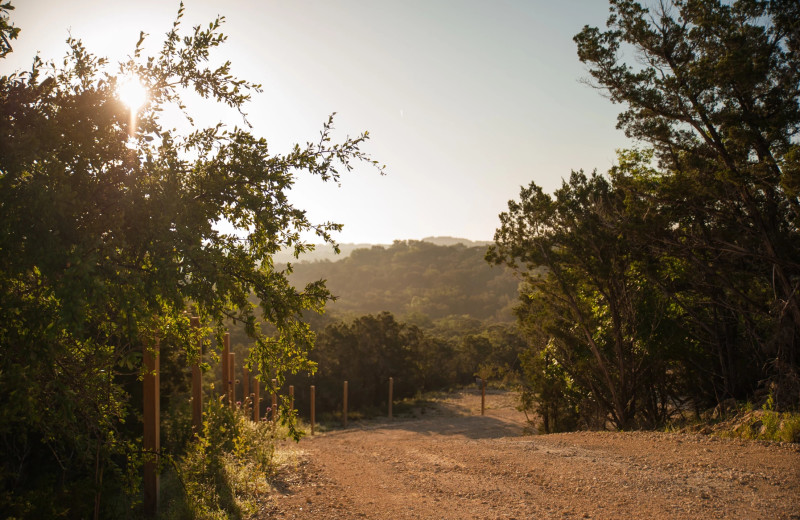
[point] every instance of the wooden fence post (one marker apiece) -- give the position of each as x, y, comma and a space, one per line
226, 371
313, 407
391, 389
232, 379
245, 387
483, 395
197, 386
152, 430
344, 406
274, 400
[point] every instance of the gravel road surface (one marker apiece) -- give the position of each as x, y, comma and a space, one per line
452, 463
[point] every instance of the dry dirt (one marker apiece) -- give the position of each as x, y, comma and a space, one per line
453, 463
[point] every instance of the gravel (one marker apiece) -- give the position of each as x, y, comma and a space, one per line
453, 463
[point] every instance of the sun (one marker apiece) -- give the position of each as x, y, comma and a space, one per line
131, 92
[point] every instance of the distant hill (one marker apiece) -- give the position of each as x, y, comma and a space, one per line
416, 278
322, 252
451, 241
325, 251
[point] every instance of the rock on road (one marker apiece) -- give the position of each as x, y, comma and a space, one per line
453, 463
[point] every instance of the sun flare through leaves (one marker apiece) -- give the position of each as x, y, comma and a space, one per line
132, 92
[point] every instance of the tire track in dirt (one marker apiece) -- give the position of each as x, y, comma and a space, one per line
451, 463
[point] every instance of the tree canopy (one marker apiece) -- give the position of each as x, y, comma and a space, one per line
679, 270
114, 228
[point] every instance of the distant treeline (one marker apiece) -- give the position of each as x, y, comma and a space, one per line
368, 350
323, 252
415, 279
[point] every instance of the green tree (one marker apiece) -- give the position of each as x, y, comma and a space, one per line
366, 352
716, 95
110, 232
585, 304
676, 276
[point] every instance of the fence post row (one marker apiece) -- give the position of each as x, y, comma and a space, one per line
152, 433
152, 438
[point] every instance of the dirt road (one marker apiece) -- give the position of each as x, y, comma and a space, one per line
452, 463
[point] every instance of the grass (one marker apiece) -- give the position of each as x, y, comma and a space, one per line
225, 470
764, 425
746, 421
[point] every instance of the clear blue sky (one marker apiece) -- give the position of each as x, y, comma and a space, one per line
465, 101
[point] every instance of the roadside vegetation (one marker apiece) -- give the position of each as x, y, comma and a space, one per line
664, 293
671, 284
110, 241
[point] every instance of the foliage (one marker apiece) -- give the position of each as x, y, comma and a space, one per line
764, 425
412, 278
7, 31
716, 99
454, 312
675, 277
549, 391
366, 351
111, 230
227, 467
590, 314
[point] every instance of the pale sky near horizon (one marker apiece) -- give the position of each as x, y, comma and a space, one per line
465, 100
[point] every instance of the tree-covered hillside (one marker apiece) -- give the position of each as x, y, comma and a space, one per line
413, 278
